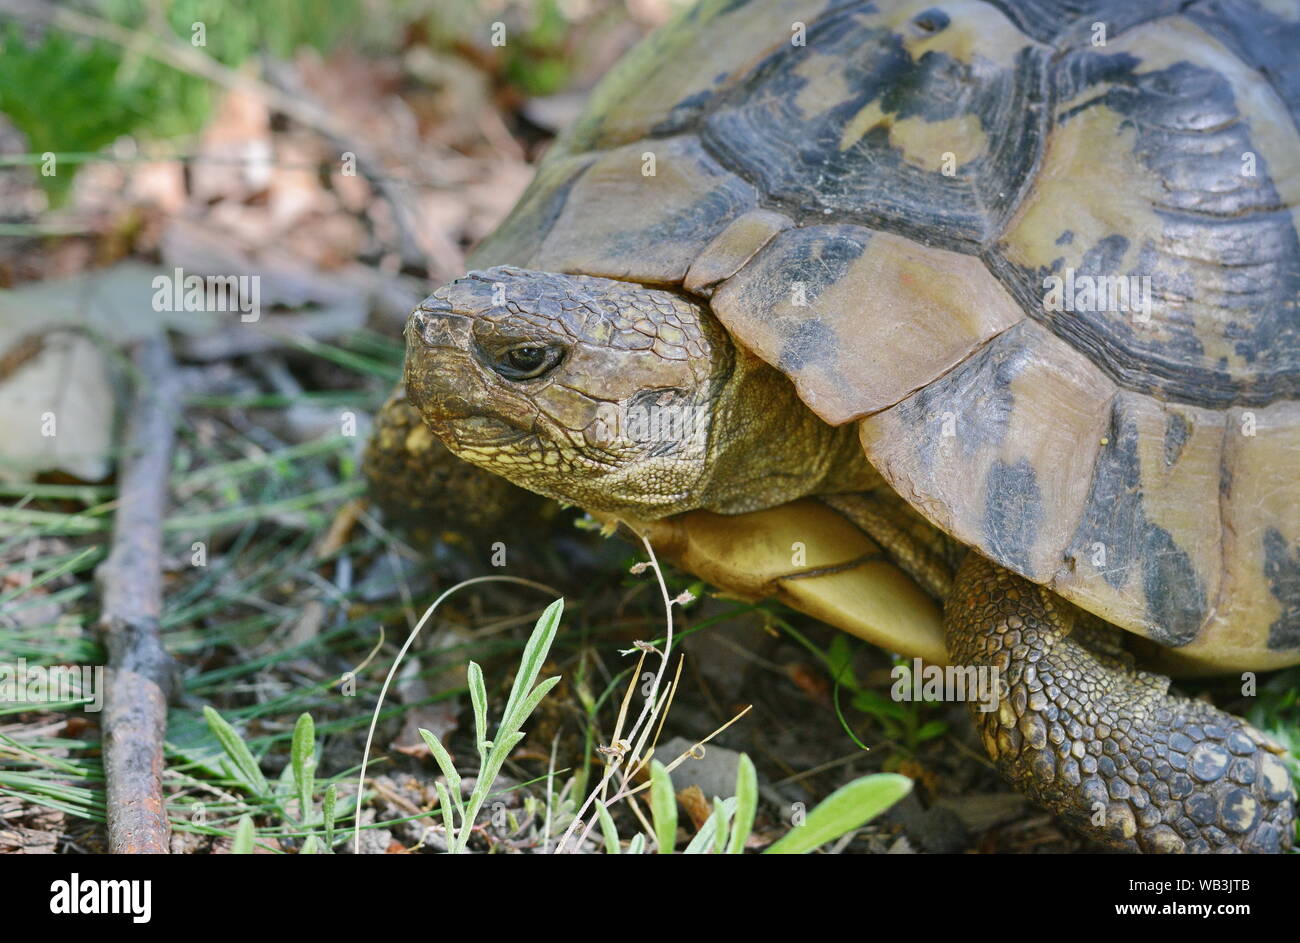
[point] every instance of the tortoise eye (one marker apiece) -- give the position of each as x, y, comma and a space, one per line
528, 361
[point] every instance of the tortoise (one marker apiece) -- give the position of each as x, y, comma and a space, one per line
969, 327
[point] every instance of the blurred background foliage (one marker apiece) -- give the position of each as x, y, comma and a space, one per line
77, 76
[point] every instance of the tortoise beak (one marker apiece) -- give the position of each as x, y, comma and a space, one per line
441, 380
444, 388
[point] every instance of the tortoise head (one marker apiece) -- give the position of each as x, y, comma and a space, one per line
607, 394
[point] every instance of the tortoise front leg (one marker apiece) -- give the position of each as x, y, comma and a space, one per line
1106, 746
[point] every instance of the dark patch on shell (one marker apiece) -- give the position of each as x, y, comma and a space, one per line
933, 20
698, 222
730, 6
1259, 36
685, 112
1013, 512
811, 342
1282, 570
1106, 256
1173, 591
978, 394
1176, 432
1114, 516
814, 258
662, 51
797, 266
1069, 22
795, 157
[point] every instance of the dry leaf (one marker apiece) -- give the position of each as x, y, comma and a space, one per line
696, 805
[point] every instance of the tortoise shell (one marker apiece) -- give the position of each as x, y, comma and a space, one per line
1043, 253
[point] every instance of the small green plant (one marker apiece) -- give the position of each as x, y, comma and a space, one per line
846, 809
728, 829
538, 64
525, 695
66, 95
904, 722
297, 784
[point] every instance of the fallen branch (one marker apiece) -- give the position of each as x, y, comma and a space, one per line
139, 668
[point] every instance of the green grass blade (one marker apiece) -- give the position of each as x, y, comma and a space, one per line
608, 831
746, 805
663, 806
445, 764
533, 700
847, 808
245, 765
303, 758
478, 697
244, 834
448, 818
708, 840
330, 805
530, 666
723, 810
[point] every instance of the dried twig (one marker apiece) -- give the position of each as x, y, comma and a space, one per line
626, 753
139, 668
628, 756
